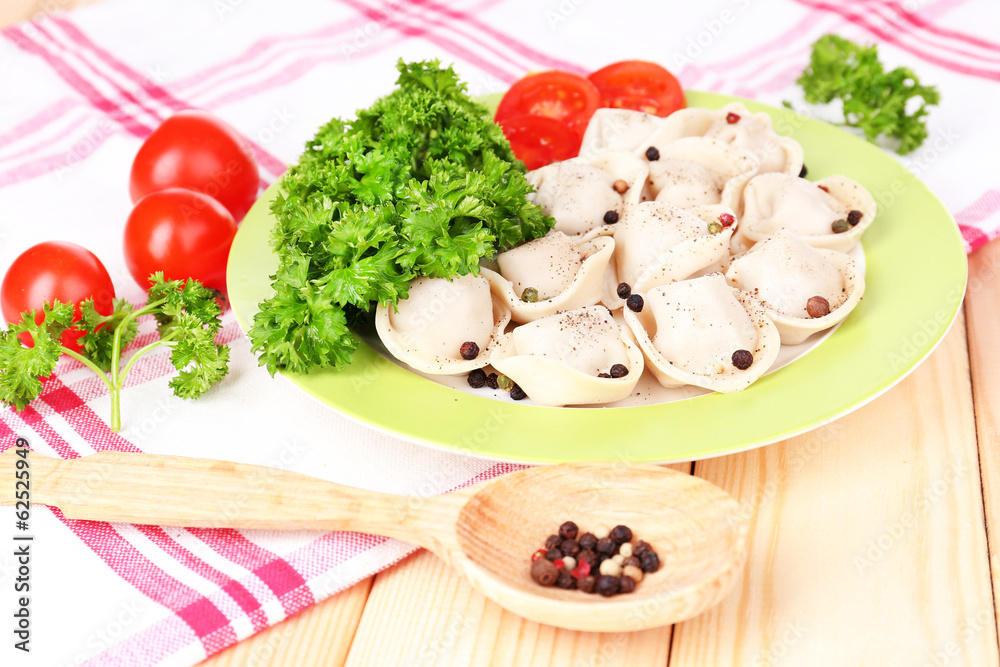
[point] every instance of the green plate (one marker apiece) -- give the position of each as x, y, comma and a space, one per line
916, 273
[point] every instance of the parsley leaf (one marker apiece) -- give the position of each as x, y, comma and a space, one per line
874, 100
422, 183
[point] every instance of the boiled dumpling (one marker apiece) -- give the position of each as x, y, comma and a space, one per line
617, 130
784, 273
832, 213
703, 332
435, 327
698, 171
579, 356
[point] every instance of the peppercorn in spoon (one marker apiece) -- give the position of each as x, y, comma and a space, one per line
487, 532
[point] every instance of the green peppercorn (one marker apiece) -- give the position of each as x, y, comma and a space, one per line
714, 227
840, 226
504, 382
529, 295
544, 572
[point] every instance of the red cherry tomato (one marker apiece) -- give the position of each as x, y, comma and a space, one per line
55, 271
183, 233
538, 141
639, 85
561, 96
197, 151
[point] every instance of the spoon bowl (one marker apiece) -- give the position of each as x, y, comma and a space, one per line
487, 531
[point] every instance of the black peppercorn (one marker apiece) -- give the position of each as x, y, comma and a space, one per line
634, 303
633, 561
569, 530
652, 154
619, 371
742, 359
469, 350
517, 393
606, 547
621, 534
587, 584
554, 554
624, 290
803, 171
589, 556
854, 217
570, 548
587, 541
650, 562
604, 375
625, 585
565, 580
611, 217
553, 542
477, 378
607, 585
640, 548
544, 572
491, 381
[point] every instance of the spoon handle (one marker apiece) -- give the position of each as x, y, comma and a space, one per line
181, 491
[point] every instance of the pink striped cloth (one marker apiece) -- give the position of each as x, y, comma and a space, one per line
81, 90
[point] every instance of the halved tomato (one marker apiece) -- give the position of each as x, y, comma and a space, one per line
538, 141
561, 96
639, 85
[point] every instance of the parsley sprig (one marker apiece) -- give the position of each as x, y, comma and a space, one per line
423, 183
187, 317
876, 101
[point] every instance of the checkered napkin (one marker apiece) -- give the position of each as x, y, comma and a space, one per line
79, 92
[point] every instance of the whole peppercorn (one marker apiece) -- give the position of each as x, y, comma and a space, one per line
714, 227
854, 217
634, 303
619, 559
587, 541
604, 375
491, 381
529, 295
606, 547
727, 220
742, 359
538, 555
619, 371
652, 154
625, 585
588, 556
477, 378
587, 584
554, 554
568, 563
570, 547
611, 217
840, 226
469, 350
601, 531
544, 572
553, 542
620, 186
803, 171
625, 549
607, 585
633, 572
732, 118
565, 580
517, 393
640, 547
650, 562
610, 567
632, 561
504, 382
569, 530
624, 290
817, 306
621, 534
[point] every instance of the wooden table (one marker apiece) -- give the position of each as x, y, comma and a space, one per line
869, 543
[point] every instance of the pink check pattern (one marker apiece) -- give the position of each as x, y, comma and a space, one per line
90, 90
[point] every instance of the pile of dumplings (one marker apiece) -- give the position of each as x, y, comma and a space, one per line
691, 246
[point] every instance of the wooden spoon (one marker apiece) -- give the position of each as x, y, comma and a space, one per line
487, 532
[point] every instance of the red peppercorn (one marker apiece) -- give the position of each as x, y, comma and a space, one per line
558, 562
824, 188
538, 555
727, 220
582, 570
732, 118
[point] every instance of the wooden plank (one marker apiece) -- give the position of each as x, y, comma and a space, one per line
320, 635
868, 542
421, 613
983, 317
12, 11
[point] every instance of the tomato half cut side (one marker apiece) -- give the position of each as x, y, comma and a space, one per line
560, 96
538, 141
639, 85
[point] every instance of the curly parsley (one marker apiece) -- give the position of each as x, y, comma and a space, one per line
874, 100
187, 317
423, 183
